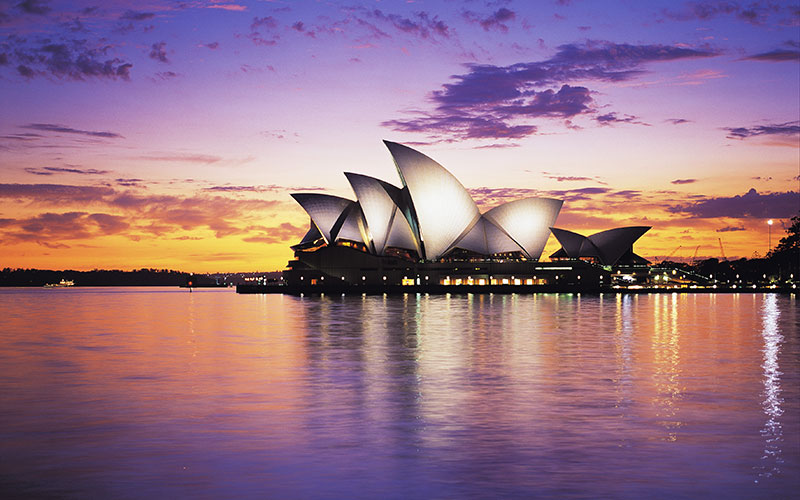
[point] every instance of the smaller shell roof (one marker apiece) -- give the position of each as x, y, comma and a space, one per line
324, 210
608, 246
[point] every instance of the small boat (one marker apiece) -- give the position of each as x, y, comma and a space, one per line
60, 284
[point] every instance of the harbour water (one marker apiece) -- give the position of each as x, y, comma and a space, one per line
153, 393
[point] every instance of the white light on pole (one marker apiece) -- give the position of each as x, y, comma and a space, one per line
769, 225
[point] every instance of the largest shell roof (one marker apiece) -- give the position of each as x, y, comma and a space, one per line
431, 214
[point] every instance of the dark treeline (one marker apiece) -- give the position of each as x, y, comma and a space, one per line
781, 264
97, 277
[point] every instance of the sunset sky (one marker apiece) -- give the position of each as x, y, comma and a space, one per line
170, 134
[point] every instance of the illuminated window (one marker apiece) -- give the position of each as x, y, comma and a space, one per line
481, 281
529, 281
408, 281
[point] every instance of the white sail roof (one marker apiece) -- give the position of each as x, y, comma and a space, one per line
612, 243
444, 209
352, 226
527, 222
499, 241
377, 205
607, 246
324, 210
400, 234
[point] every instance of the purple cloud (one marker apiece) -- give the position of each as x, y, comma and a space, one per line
271, 188
153, 214
498, 145
677, 121
49, 127
788, 128
628, 194
777, 55
756, 13
496, 21
683, 181
69, 60
489, 102
258, 29
128, 182
22, 137
461, 127
421, 24
486, 197
159, 52
727, 229
131, 15
60, 170
750, 205
49, 226
189, 158
38, 7
612, 118
54, 194
567, 178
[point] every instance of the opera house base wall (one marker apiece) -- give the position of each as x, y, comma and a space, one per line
339, 269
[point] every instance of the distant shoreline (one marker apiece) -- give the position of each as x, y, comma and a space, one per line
491, 289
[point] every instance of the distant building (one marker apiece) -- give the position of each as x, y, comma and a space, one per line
430, 232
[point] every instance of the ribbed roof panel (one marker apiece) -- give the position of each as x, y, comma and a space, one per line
527, 222
443, 208
324, 210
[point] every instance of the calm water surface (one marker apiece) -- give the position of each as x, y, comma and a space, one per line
153, 393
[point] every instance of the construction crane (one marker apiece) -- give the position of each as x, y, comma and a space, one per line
694, 257
722, 250
671, 253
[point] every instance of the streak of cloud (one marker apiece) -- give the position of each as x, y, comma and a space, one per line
494, 102
749, 205
788, 128
51, 127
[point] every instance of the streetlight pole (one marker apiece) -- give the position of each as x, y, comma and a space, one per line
769, 225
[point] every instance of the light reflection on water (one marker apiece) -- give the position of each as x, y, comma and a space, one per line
135, 393
773, 430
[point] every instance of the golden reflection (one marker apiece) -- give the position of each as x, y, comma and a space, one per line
772, 430
623, 347
666, 363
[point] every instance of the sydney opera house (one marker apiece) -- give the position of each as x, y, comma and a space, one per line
429, 233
